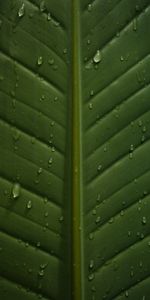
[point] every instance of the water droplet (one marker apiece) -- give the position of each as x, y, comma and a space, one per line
65, 51
98, 198
141, 264
91, 264
42, 6
111, 220
131, 147
140, 123
16, 190
144, 220
126, 293
98, 219
21, 11
29, 204
61, 219
39, 171
99, 168
91, 276
89, 7
41, 273
40, 60
121, 58
98, 57
1, 22
91, 236
38, 244
129, 233
49, 17
144, 129
122, 213
94, 212
90, 105
91, 93
46, 214
51, 61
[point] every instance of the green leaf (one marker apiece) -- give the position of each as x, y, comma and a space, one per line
74, 149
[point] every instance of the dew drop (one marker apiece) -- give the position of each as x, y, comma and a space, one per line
39, 171
21, 11
144, 220
98, 57
49, 17
51, 61
121, 58
29, 204
40, 60
99, 168
91, 264
16, 190
61, 219
91, 276
89, 7
41, 273
98, 219
90, 105
91, 236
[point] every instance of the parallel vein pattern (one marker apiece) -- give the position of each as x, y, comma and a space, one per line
33, 145
116, 147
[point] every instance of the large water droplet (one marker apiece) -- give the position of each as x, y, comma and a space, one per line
16, 190
21, 11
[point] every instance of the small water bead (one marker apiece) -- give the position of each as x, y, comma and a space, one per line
144, 220
98, 198
21, 11
91, 236
29, 204
38, 244
51, 61
39, 171
98, 57
61, 219
99, 168
140, 123
126, 293
41, 273
121, 58
91, 276
98, 219
144, 129
16, 190
65, 51
49, 17
94, 212
91, 264
90, 105
131, 148
89, 7
46, 214
40, 60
